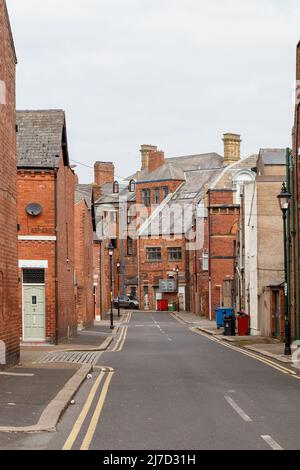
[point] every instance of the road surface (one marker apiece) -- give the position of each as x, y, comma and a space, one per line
162, 386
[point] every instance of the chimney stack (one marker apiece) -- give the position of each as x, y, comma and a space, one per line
104, 172
232, 148
145, 150
156, 159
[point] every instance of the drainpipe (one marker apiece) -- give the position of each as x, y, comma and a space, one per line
297, 240
100, 281
293, 238
288, 240
209, 261
56, 254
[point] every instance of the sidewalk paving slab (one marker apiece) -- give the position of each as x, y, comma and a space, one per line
35, 403
265, 346
34, 395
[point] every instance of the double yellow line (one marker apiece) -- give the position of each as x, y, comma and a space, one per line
269, 362
85, 410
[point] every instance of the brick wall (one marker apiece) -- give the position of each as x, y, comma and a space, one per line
8, 211
156, 159
223, 225
38, 187
84, 268
104, 172
151, 272
67, 322
172, 185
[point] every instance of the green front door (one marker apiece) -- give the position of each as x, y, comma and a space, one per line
34, 313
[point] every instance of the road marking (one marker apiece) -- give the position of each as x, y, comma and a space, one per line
268, 362
273, 444
116, 347
84, 412
239, 410
96, 416
13, 374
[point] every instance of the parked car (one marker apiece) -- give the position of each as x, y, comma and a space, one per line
126, 302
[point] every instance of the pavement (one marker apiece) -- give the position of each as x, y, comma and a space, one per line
34, 395
264, 346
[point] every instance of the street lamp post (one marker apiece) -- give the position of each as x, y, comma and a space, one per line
284, 200
118, 271
176, 270
111, 254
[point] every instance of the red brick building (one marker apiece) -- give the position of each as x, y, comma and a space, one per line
217, 225
170, 189
9, 338
84, 265
113, 216
46, 193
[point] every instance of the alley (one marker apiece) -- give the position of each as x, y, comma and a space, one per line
161, 386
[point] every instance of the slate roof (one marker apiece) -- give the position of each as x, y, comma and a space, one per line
183, 201
200, 161
39, 138
108, 196
225, 179
175, 167
168, 171
273, 156
84, 192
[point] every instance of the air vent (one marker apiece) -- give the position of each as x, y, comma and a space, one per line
34, 209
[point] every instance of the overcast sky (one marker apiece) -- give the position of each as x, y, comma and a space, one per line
174, 73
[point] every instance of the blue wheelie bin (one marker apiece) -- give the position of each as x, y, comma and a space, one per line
221, 313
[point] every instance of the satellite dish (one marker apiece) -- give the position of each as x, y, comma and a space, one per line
34, 209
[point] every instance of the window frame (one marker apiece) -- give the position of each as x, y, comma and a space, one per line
175, 249
157, 249
146, 197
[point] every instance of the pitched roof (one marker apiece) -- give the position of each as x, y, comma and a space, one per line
108, 196
273, 156
198, 161
176, 167
40, 137
84, 192
225, 179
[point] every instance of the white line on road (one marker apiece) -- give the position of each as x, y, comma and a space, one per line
273, 444
239, 410
13, 374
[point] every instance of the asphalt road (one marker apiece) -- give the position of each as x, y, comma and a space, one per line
164, 387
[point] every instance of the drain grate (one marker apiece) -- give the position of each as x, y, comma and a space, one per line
82, 357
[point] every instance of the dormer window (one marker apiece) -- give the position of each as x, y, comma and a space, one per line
132, 186
116, 187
